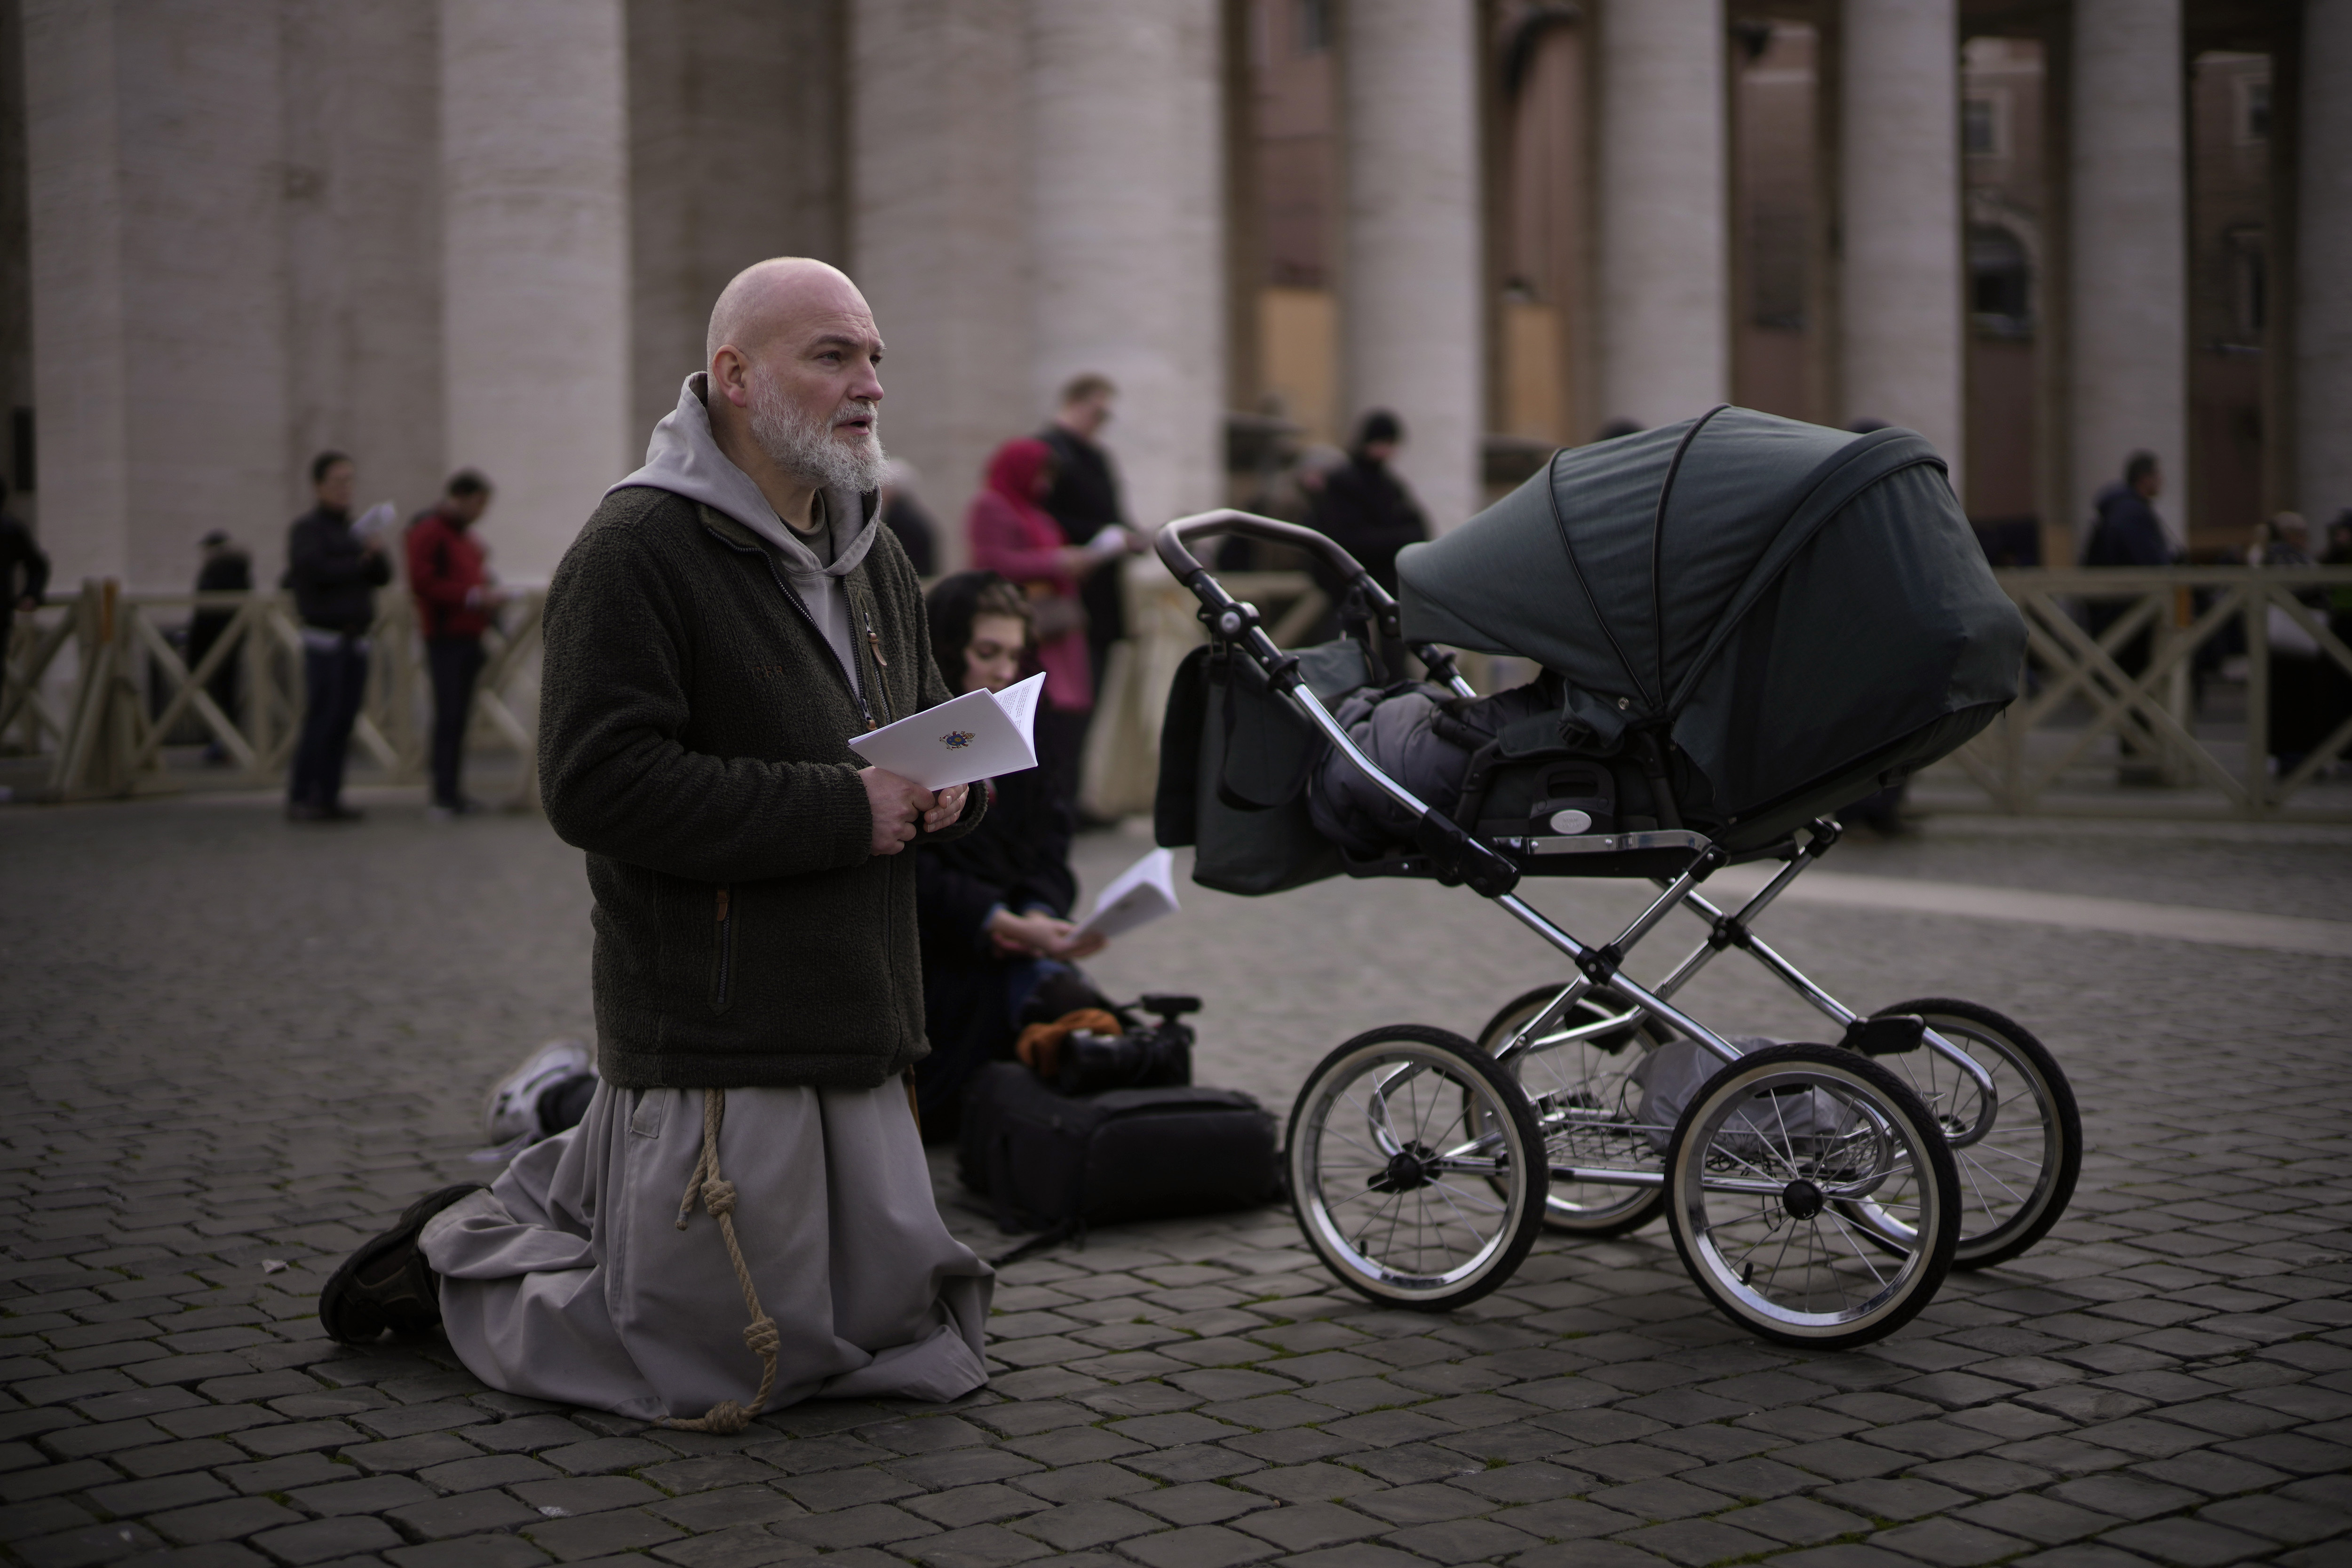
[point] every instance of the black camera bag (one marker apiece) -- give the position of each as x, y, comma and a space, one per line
1059, 1162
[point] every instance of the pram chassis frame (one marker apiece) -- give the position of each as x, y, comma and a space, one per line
1456, 856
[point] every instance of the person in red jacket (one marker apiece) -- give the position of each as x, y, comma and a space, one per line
455, 601
1012, 534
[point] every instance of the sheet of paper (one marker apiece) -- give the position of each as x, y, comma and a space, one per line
1141, 894
377, 521
979, 735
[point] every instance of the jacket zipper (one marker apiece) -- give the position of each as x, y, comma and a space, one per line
718, 994
856, 682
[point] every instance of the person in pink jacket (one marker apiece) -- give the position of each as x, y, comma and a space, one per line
1012, 534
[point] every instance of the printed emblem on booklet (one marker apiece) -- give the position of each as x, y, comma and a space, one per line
989, 733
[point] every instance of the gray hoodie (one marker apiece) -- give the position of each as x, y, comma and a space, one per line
684, 458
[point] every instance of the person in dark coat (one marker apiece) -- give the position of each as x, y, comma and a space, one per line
2338, 552
334, 574
1084, 500
993, 906
24, 571
906, 517
1365, 507
226, 570
2127, 533
2302, 692
1368, 511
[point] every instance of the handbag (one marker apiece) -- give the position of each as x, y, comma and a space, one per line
1234, 759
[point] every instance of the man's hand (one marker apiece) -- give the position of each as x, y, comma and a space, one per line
950, 808
1040, 935
896, 803
1037, 935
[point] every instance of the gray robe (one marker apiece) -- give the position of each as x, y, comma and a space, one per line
570, 1281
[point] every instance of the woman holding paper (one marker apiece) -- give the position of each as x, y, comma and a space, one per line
993, 906
1012, 534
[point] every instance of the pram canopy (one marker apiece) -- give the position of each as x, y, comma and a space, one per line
1805, 613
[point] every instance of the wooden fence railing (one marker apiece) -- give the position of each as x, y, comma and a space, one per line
98, 684
2167, 633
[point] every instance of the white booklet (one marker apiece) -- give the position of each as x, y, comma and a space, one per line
375, 524
1142, 893
979, 735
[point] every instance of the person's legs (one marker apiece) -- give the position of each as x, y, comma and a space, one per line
319, 699
455, 663
572, 1279
350, 686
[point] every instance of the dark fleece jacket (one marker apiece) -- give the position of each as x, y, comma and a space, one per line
693, 739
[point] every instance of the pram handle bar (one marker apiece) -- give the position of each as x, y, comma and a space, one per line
1175, 540
1174, 543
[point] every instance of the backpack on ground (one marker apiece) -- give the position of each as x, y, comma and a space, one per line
1058, 1163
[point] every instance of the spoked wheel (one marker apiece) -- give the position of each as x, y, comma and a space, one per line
2015, 1179
1578, 1077
1416, 1169
1760, 1179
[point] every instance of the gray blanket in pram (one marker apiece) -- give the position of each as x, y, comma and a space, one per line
1423, 737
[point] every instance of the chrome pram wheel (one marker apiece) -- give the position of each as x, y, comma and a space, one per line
1581, 1086
2015, 1180
1761, 1177
1416, 1168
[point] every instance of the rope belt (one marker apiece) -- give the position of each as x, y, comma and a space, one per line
718, 1195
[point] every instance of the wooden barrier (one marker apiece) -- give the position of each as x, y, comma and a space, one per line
2079, 691
130, 689
127, 690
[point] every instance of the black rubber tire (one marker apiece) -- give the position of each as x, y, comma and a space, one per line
1926, 1272
1523, 1204
1559, 1217
2056, 1099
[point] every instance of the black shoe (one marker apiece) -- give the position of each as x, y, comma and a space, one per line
387, 1284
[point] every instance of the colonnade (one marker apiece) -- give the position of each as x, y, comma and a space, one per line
1026, 189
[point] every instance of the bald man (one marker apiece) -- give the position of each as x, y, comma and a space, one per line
743, 1218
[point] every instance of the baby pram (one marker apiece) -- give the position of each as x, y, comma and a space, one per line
1750, 622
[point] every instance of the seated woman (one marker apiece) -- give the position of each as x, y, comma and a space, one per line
993, 906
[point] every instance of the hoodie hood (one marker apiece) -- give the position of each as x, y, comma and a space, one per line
684, 458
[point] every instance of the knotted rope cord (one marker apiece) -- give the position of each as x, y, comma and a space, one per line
718, 1195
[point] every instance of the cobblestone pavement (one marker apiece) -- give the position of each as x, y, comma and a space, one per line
233, 1049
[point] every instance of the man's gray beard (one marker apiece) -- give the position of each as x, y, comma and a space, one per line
805, 448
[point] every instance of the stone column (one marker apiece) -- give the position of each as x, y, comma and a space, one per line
157, 176
1126, 189
939, 233
1665, 284
2127, 228
1411, 326
2323, 309
535, 229
1900, 205
724, 170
